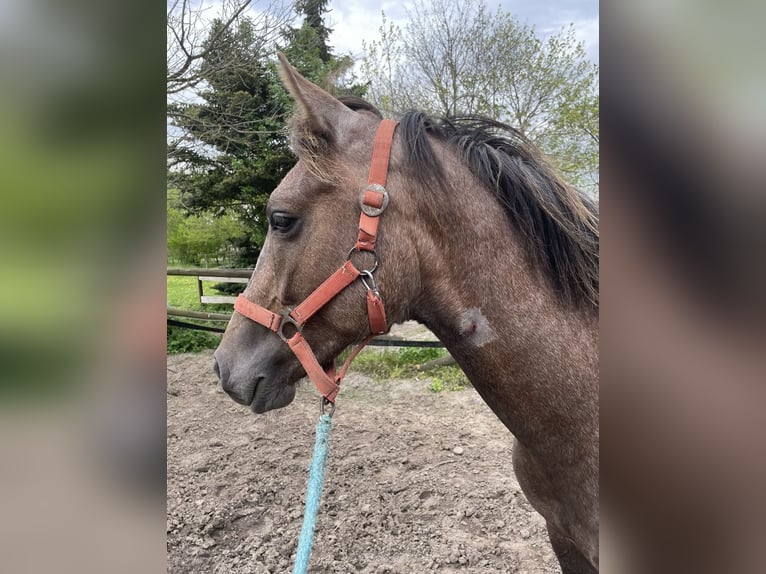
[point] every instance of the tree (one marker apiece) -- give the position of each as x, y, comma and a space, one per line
232, 99
234, 150
456, 58
444, 44
548, 90
189, 43
230, 148
382, 67
574, 140
313, 35
199, 239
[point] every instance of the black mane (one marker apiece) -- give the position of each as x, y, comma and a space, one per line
557, 223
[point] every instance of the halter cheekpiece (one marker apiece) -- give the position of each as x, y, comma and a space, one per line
288, 325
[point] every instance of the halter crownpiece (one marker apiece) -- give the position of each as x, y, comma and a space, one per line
373, 201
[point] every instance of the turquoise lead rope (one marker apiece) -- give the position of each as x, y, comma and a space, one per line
313, 494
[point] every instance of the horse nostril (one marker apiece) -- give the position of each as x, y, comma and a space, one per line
223, 375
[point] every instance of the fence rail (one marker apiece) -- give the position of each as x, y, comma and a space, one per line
174, 312
206, 273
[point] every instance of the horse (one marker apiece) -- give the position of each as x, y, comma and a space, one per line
481, 241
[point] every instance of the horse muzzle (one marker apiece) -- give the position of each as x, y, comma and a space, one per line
261, 382
241, 391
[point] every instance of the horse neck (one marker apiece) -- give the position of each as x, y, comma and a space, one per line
531, 357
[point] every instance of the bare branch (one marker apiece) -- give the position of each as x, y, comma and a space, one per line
189, 42
457, 57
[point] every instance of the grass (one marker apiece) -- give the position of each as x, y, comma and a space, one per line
403, 363
189, 341
450, 378
182, 293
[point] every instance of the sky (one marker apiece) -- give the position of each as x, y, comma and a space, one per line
354, 20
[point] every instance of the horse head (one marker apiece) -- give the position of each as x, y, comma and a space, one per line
314, 217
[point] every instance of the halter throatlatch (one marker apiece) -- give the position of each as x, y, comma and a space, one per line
373, 201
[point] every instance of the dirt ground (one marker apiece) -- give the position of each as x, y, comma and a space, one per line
416, 482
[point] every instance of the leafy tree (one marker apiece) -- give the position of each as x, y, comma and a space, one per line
189, 43
200, 239
307, 49
573, 141
231, 151
456, 58
548, 90
231, 148
312, 37
383, 68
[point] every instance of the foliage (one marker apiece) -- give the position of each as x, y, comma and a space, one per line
200, 239
233, 151
230, 148
310, 40
403, 362
189, 341
190, 42
449, 378
182, 294
576, 145
383, 68
230, 288
458, 58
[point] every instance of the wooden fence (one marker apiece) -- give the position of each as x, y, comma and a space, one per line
218, 276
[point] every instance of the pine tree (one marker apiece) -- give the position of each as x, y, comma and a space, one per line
234, 149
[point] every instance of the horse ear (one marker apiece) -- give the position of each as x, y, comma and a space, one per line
318, 112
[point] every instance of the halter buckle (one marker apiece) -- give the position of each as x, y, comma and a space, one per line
372, 210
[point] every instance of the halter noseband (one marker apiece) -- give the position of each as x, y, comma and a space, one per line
373, 201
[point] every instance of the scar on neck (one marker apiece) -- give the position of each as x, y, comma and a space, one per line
476, 328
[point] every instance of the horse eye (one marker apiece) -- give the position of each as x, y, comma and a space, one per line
282, 222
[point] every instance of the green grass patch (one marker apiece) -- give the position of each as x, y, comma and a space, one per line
182, 294
449, 378
403, 362
394, 364
190, 341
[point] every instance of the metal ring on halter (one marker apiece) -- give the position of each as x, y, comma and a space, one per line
374, 253
371, 210
288, 320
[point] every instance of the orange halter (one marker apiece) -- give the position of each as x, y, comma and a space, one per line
373, 201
